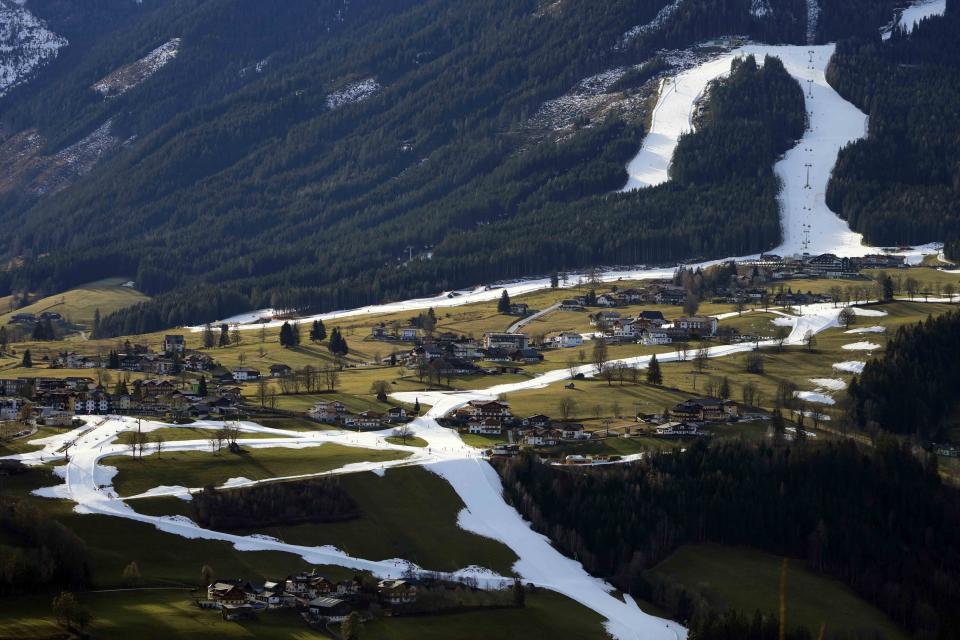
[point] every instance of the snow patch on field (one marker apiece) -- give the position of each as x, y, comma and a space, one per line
352, 93
26, 44
869, 313
129, 76
874, 329
861, 346
814, 396
782, 321
850, 366
834, 384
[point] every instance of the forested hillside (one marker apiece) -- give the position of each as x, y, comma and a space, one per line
876, 519
294, 156
901, 185
912, 388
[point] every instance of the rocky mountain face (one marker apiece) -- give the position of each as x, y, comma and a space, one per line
26, 44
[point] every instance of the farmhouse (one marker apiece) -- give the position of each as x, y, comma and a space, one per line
704, 410
488, 409
700, 326
567, 340
245, 374
397, 591
173, 344
485, 427
652, 337
228, 592
329, 609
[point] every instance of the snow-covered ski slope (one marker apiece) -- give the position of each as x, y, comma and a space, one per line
916, 13
808, 224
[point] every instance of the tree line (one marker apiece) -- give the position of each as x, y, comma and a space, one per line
316, 500
900, 185
912, 388
880, 520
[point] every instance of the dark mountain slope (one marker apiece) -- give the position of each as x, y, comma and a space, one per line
231, 170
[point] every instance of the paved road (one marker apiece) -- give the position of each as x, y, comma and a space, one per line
522, 322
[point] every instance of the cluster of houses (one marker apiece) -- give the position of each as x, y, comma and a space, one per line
824, 265
173, 359
334, 412
55, 401
494, 418
687, 418
648, 328
317, 597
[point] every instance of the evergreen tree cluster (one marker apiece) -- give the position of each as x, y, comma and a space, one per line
289, 334
912, 388
879, 520
37, 552
283, 503
43, 330
338, 344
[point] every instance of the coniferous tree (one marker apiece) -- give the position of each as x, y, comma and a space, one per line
224, 336
286, 335
504, 305
337, 345
27, 359
654, 375
318, 332
202, 387
209, 339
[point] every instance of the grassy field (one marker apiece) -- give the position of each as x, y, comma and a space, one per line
200, 468
747, 580
174, 434
547, 616
79, 305
482, 442
594, 399
408, 513
149, 615
410, 441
